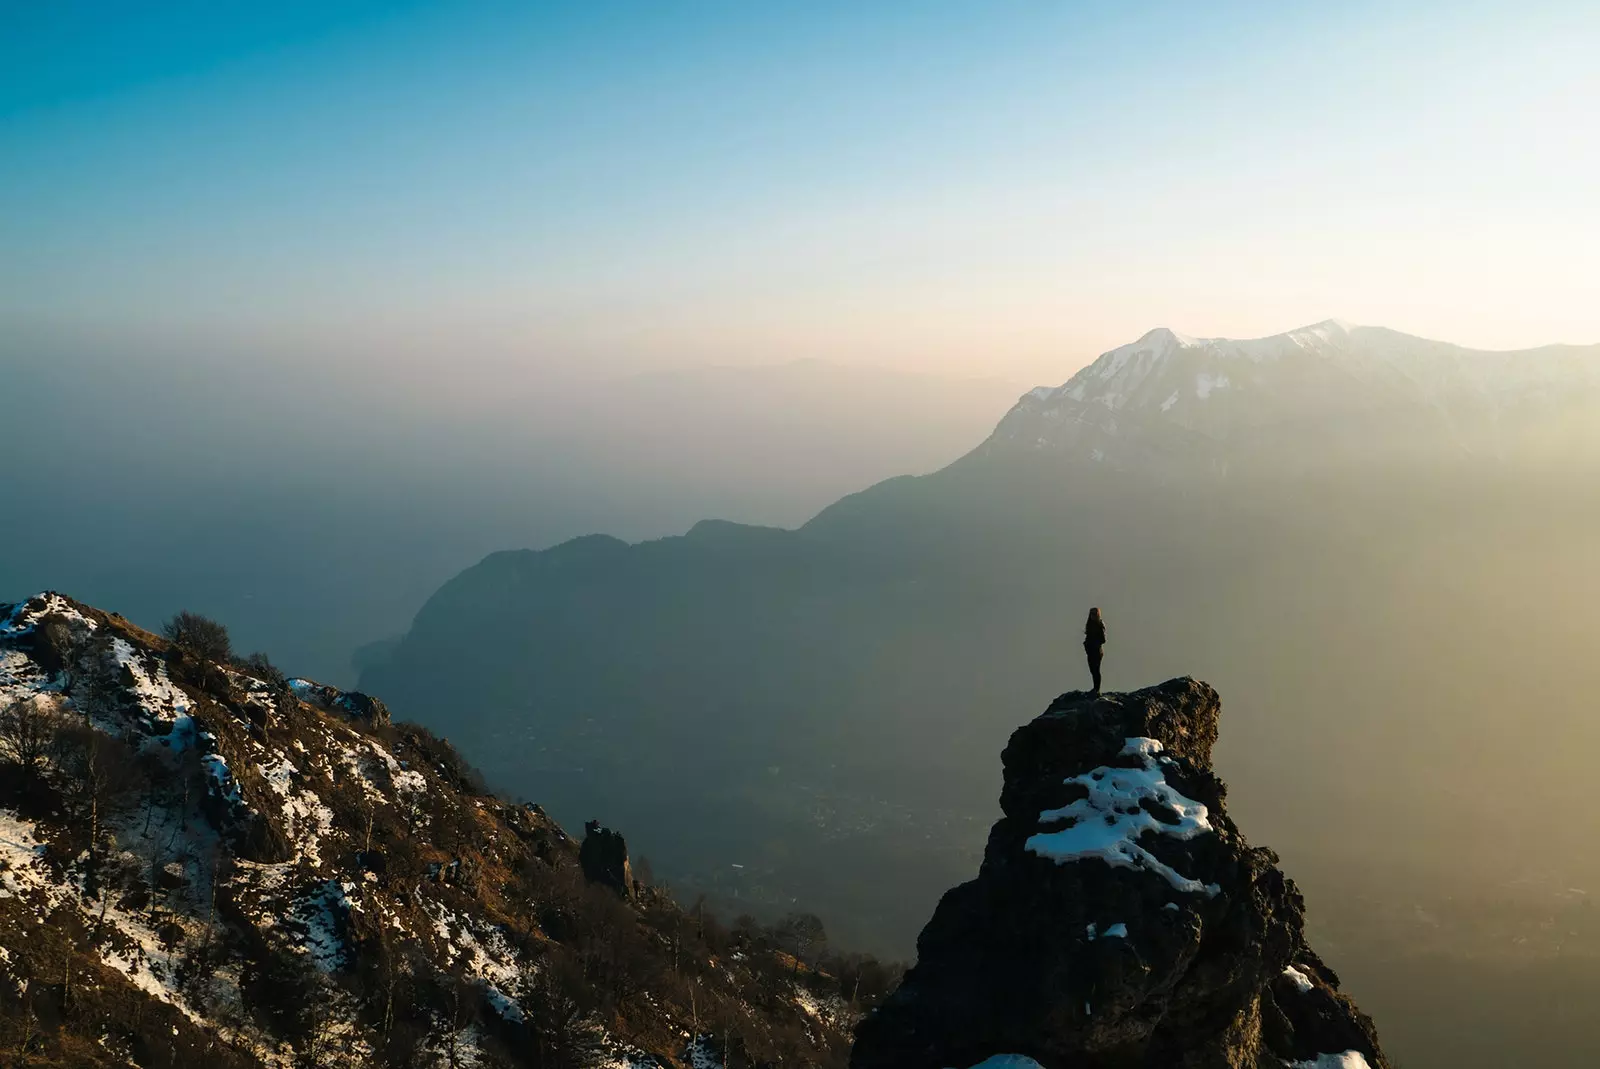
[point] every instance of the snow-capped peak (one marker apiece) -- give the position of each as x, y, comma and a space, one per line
1117, 378
1329, 332
1166, 338
1330, 375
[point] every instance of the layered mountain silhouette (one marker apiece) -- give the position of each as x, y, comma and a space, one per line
321, 515
1367, 538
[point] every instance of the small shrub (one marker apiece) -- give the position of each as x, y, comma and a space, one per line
261, 667
199, 635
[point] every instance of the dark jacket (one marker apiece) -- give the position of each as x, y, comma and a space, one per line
1094, 632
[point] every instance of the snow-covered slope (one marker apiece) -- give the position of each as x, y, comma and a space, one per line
1329, 385
206, 863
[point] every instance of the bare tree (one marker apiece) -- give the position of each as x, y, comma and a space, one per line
199, 635
392, 969
461, 994
98, 774
560, 1007
800, 934
27, 730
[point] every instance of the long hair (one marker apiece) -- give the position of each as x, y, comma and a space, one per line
1094, 614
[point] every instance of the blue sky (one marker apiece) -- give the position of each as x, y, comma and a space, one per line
968, 187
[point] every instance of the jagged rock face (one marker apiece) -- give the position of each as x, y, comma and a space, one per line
604, 857
352, 703
1120, 918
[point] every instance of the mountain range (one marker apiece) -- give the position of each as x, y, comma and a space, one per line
315, 507
1368, 538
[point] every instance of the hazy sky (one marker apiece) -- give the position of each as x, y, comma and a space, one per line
996, 188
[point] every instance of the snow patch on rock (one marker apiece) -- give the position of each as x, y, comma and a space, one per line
321, 917
22, 873
1205, 384
160, 698
1350, 1059
1106, 824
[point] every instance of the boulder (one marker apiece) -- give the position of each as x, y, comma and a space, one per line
351, 703
364, 707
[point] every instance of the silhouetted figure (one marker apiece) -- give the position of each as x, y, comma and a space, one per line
1094, 641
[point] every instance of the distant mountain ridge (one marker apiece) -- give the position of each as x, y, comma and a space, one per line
1167, 395
264, 514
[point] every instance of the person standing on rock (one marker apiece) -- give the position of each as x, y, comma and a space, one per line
1094, 641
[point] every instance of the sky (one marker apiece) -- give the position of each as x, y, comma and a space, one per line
497, 195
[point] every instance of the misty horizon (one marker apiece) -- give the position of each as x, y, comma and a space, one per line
707, 426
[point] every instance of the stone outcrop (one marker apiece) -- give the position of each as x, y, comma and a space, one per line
363, 708
1120, 918
604, 858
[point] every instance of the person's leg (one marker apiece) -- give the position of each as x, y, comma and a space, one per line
1094, 665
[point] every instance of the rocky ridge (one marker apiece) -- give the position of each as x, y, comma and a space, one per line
1120, 918
203, 862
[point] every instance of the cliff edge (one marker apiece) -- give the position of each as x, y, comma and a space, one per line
1120, 918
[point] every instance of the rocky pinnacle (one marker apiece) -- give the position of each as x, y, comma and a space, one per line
1120, 918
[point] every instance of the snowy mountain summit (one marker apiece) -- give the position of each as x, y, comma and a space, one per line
205, 863
1170, 398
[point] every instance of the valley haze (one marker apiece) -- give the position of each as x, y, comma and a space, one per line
560, 535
